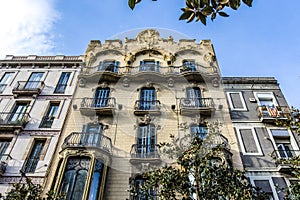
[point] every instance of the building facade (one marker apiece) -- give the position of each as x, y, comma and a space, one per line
35, 94
255, 105
90, 126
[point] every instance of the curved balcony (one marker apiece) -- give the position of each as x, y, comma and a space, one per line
271, 113
142, 107
99, 106
145, 153
88, 140
10, 121
191, 106
28, 88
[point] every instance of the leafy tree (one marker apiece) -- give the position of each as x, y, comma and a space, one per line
291, 120
29, 191
199, 10
202, 170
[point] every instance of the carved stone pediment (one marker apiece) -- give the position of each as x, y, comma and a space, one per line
149, 36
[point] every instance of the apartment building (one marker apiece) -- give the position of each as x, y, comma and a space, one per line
35, 95
255, 104
132, 94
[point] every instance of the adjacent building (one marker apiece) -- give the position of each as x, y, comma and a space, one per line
35, 94
90, 126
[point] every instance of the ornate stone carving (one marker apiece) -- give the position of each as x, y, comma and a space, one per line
170, 82
149, 36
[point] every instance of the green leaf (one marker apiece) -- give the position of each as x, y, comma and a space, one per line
207, 10
234, 4
131, 4
248, 2
223, 14
191, 18
201, 17
186, 15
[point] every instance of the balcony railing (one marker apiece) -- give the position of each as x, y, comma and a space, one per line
47, 122
108, 67
149, 68
142, 107
196, 105
11, 121
271, 113
281, 156
88, 140
28, 88
101, 106
145, 153
4, 158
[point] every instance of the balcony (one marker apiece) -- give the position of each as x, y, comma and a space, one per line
88, 140
4, 158
47, 122
191, 106
28, 88
147, 107
99, 106
149, 67
145, 153
10, 121
271, 113
281, 156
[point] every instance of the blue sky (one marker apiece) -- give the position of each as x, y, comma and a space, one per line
260, 41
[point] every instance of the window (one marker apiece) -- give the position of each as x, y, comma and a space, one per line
266, 187
193, 95
139, 182
34, 156
248, 141
267, 104
62, 83
50, 115
188, 65
282, 142
19, 113
91, 134
109, 66
74, 179
149, 65
236, 101
199, 130
4, 143
147, 99
5, 80
101, 97
34, 80
96, 180
146, 140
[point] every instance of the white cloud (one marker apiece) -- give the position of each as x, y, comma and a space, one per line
26, 27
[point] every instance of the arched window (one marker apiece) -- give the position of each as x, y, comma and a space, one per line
146, 140
74, 179
101, 97
147, 99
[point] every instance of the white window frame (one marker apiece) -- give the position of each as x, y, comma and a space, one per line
255, 139
265, 178
271, 95
291, 136
231, 103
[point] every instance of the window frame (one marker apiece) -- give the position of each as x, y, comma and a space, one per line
255, 137
50, 117
59, 84
29, 168
265, 178
3, 85
230, 101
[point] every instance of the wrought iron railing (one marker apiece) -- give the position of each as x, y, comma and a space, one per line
273, 111
145, 151
47, 122
88, 140
141, 105
196, 103
4, 158
29, 86
108, 67
149, 68
98, 102
11, 118
282, 155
